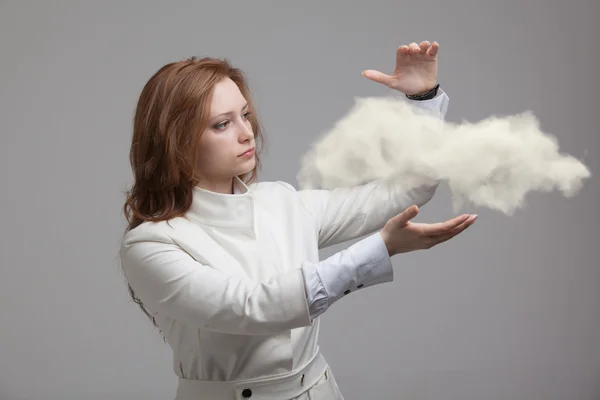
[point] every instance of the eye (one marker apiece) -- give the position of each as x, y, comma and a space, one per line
247, 114
221, 125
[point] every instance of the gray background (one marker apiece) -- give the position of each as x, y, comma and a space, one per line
509, 310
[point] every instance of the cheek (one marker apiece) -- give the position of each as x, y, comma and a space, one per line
207, 152
215, 152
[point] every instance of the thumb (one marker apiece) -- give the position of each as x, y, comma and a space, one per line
377, 76
406, 215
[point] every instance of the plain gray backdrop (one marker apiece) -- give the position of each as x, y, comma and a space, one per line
508, 310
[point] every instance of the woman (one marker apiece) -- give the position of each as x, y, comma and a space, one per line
227, 268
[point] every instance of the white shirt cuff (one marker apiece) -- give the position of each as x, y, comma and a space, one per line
364, 264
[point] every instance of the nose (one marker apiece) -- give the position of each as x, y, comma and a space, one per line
245, 132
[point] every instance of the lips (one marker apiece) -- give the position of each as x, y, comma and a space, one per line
248, 152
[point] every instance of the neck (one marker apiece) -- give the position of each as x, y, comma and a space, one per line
224, 187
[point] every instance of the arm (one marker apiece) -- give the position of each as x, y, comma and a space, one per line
347, 213
170, 282
328, 283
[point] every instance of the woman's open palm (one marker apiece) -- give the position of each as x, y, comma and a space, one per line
401, 235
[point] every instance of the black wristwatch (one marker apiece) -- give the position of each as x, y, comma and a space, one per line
425, 96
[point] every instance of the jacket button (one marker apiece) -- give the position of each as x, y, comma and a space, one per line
347, 291
246, 393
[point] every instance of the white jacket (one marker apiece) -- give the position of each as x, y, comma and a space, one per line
225, 282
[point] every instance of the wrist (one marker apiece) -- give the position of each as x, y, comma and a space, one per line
384, 237
425, 95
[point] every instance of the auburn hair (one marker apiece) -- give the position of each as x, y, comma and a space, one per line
171, 114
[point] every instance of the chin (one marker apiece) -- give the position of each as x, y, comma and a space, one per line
248, 167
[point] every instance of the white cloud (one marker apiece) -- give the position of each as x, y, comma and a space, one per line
494, 162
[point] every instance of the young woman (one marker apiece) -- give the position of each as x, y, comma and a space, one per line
228, 268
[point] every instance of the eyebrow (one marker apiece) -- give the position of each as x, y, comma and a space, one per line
226, 113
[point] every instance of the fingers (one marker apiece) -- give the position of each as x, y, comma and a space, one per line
377, 76
437, 239
409, 49
425, 48
442, 228
414, 48
433, 49
455, 231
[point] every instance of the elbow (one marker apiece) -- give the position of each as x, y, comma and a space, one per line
265, 313
244, 319
242, 309
253, 321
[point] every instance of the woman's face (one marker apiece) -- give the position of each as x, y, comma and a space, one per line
226, 138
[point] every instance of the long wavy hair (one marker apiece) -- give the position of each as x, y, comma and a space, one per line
171, 114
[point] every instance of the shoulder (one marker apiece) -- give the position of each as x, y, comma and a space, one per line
271, 186
153, 233
154, 243
148, 231
274, 191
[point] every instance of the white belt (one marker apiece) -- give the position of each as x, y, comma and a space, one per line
277, 387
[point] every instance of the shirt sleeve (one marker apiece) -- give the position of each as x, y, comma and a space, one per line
171, 282
437, 106
364, 264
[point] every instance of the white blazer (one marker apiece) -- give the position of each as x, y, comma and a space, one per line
224, 282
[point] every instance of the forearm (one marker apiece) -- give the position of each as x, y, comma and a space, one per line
364, 264
346, 213
171, 283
